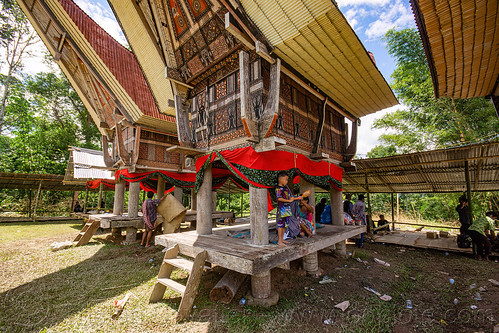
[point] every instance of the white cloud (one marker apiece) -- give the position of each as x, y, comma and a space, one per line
396, 15
104, 17
353, 15
368, 137
344, 3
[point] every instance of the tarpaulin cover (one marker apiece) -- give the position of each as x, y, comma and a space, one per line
245, 167
261, 169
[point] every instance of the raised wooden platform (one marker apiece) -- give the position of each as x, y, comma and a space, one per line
5, 219
419, 240
108, 221
241, 256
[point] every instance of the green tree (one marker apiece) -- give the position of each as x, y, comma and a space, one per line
45, 116
16, 36
428, 123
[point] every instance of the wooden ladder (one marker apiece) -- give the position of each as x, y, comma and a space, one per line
87, 232
189, 291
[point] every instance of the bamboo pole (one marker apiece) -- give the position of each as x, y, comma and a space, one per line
468, 188
85, 203
99, 204
370, 218
393, 215
36, 201
398, 207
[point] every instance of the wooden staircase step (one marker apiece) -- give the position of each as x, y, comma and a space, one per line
181, 263
180, 288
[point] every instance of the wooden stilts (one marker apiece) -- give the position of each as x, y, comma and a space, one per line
369, 213
29, 203
119, 197
468, 188
337, 218
133, 199
205, 200
85, 203
258, 215
161, 187
99, 204
393, 215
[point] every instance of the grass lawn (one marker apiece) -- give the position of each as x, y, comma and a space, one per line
74, 290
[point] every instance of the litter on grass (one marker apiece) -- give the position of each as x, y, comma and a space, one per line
343, 305
381, 262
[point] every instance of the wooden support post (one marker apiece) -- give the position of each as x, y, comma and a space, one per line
259, 216
194, 200
29, 203
131, 234
337, 218
105, 197
398, 207
161, 187
133, 199
241, 206
468, 189
177, 193
85, 203
75, 198
99, 204
311, 263
369, 213
205, 200
214, 201
119, 197
261, 291
225, 290
306, 186
393, 215
36, 201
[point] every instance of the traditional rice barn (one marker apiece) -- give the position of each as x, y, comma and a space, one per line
247, 87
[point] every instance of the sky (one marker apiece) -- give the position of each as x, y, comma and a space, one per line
370, 19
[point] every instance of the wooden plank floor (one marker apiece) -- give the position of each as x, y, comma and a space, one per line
241, 256
419, 239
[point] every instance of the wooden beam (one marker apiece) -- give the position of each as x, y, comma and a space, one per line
231, 27
379, 177
345, 175
468, 188
58, 52
261, 50
420, 170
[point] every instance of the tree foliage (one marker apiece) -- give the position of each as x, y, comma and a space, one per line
427, 122
44, 116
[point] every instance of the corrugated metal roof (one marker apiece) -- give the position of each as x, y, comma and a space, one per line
428, 172
315, 39
32, 181
120, 61
461, 41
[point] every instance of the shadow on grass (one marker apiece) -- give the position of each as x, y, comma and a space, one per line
50, 299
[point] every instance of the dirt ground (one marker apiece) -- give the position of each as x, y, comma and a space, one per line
74, 290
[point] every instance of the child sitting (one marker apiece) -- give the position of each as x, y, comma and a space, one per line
284, 198
306, 215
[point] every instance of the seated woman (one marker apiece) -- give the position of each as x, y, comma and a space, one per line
306, 215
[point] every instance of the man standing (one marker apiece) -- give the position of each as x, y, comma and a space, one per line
464, 214
359, 214
149, 214
319, 208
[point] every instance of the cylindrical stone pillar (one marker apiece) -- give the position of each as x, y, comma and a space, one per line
337, 219
259, 215
133, 199
311, 263
119, 197
261, 286
161, 187
205, 200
